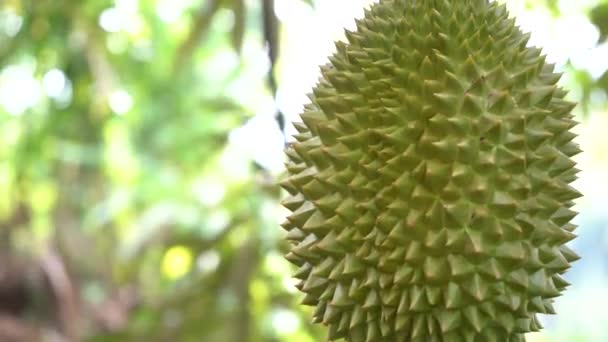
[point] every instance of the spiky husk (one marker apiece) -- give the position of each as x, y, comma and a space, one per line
429, 179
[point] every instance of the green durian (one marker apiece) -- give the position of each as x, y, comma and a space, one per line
429, 179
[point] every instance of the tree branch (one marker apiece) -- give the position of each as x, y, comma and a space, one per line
201, 26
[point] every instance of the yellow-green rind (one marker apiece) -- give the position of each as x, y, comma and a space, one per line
429, 181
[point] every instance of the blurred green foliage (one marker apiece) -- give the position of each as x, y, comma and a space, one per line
115, 118
114, 155
599, 18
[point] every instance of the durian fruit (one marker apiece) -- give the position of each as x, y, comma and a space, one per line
429, 181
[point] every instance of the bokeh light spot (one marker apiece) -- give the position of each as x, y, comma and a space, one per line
177, 262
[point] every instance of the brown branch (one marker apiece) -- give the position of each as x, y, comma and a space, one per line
271, 40
92, 46
240, 278
104, 75
200, 28
66, 298
240, 23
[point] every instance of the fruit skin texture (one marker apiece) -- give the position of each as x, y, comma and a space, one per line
429, 181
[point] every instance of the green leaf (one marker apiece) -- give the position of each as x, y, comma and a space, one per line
599, 17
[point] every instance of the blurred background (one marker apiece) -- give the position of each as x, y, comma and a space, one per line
141, 141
